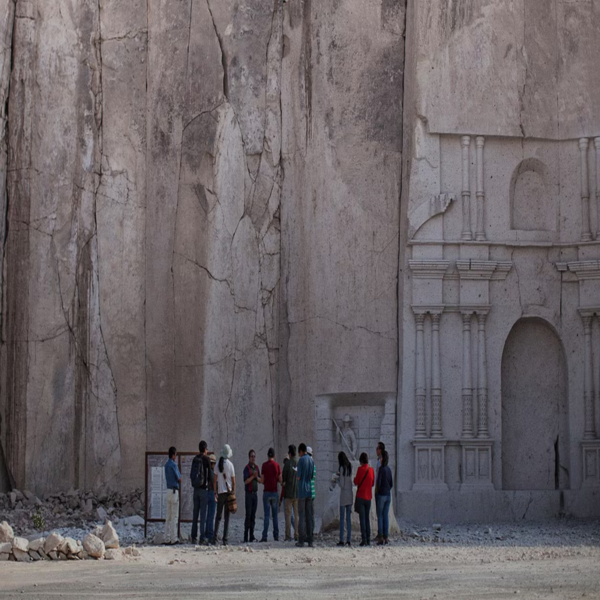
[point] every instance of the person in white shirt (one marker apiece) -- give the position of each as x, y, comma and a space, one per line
223, 484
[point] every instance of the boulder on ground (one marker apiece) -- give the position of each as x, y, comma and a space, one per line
109, 536
93, 545
6, 532
20, 543
34, 555
53, 555
52, 542
72, 546
21, 556
113, 554
5, 547
36, 544
4, 556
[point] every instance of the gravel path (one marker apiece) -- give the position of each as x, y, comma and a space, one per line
550, 560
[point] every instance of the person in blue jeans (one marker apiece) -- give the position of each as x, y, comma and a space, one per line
343, 478
212, 503
383, 499
270, 478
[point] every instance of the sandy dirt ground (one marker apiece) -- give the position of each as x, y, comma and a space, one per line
401, 570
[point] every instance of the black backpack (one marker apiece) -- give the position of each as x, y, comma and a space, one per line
198, 473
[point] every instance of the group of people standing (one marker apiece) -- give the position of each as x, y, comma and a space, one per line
365, 480
214, 485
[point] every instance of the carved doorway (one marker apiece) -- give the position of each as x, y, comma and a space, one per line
535, 445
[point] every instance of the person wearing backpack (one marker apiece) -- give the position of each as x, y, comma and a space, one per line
364, 480
200, 476
251, 479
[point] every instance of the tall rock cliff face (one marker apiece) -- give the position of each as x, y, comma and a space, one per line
202, 223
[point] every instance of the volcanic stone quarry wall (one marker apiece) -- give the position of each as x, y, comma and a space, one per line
200, 219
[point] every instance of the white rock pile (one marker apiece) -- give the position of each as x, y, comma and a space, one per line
74, 508
102, 543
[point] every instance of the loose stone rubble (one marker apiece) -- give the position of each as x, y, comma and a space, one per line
103, 544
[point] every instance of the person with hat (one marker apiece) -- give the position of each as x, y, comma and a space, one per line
224, 483
209, 531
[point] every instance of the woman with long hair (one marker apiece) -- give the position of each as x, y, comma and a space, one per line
343, 478
364, 480
383, 499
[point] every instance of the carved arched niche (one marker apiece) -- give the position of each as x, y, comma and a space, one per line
535, 424
532, 206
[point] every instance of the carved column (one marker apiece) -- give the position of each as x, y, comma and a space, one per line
436, 386
480, 193
586, 234
482, 424
597, 146
588, 379
420, 391
467, 386
466, 190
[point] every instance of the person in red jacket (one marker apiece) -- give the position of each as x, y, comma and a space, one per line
364, 480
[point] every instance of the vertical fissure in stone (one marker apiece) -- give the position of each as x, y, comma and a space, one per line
223, 55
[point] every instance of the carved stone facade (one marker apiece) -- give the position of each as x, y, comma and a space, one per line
473, 276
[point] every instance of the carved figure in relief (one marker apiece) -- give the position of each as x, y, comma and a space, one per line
347, 437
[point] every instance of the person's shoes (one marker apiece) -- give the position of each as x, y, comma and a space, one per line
348, 544
341, 543
245, 539
195, 542
369, 543
363, 543
287, 539
213, 542
300, 544
386, 541
276, 539
225, 543
253, 539
380, 540
310, 545
263, 540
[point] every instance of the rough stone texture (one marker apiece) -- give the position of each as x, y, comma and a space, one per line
20, 543
36, 544
94, 546
109, 536
5, 547
6, 532
217, 212
53, 541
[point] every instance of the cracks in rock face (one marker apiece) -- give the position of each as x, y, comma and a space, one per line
345, 327
223, 54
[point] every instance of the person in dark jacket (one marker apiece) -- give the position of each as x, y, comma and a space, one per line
289, 493
202, 486
251, 479
383, 499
